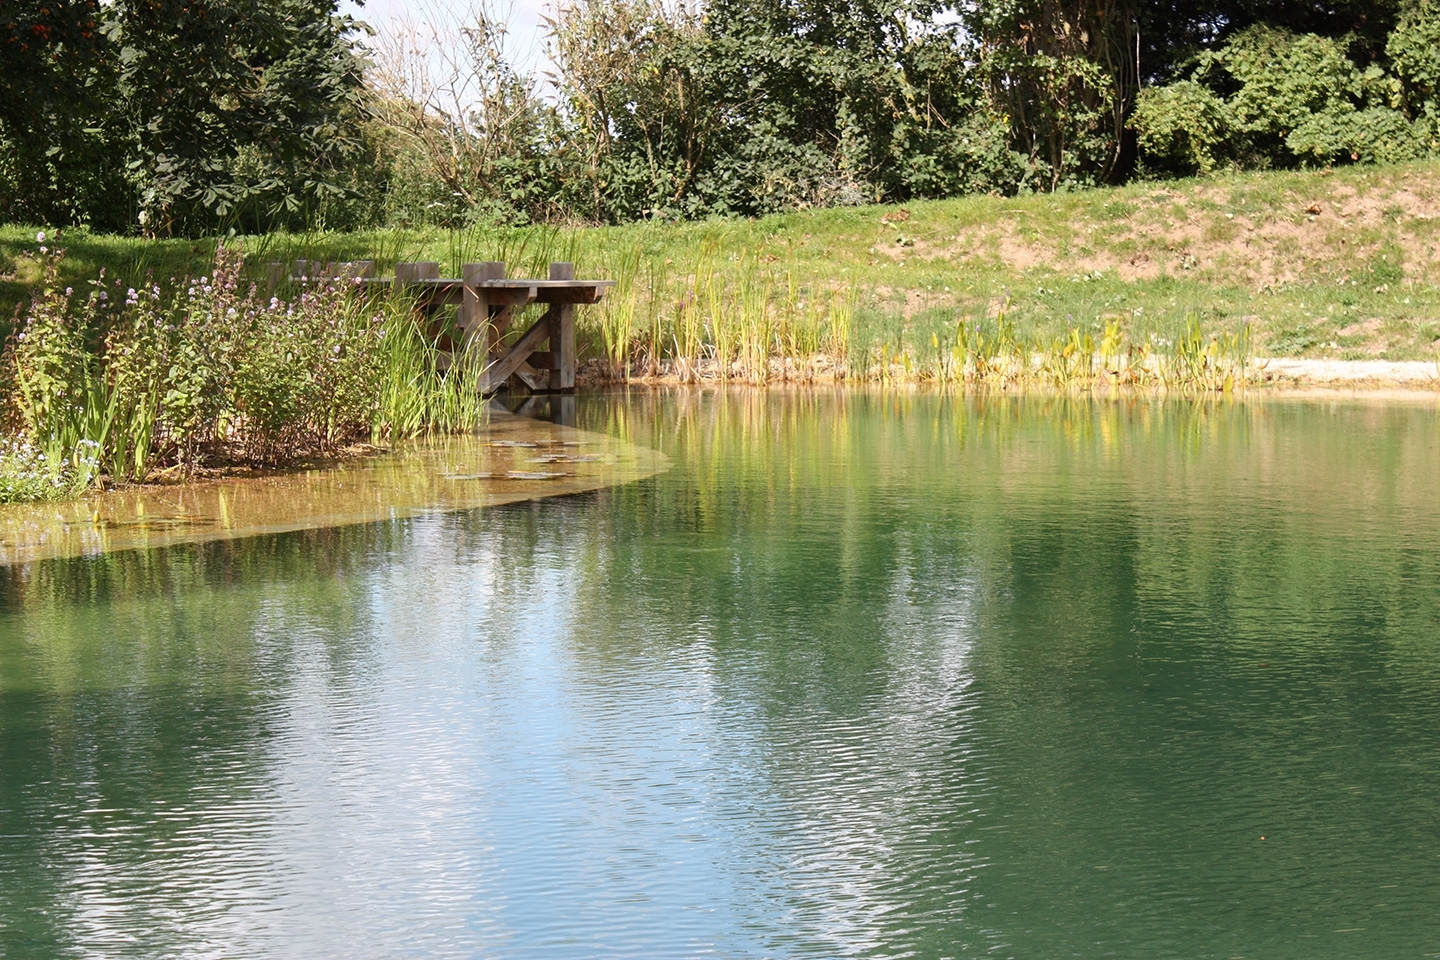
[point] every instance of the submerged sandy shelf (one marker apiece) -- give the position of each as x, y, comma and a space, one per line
513, 459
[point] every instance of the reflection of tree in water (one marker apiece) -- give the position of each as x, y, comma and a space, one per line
135, 713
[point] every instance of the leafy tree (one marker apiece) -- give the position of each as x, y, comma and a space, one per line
1272, 97
56, 78
1065, 73
234, 108
175, 115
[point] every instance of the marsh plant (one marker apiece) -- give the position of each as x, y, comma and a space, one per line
206, 370
744, 319
28, 473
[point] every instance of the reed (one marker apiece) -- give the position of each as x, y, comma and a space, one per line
717, 310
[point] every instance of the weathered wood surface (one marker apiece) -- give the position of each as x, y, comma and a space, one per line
487, 301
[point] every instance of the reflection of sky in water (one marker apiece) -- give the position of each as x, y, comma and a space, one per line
465, 770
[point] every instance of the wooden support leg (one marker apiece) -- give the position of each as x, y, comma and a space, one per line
562, 335
501, 369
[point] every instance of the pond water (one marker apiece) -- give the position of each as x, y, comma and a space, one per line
857, 675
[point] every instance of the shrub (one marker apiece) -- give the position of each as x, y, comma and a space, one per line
1271, 97
1185, 126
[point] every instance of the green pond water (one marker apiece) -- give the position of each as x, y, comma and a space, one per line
830, 674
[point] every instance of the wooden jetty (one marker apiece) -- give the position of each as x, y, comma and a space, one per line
486, 302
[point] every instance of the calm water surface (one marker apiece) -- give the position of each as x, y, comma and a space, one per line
858, 676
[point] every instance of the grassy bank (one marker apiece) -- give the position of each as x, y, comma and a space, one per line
1339, 264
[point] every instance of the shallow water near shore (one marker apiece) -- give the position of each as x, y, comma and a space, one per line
513, 458
859, 675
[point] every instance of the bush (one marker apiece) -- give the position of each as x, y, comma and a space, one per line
1273, 98
1184, 126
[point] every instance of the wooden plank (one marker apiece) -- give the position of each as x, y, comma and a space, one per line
579, 294
537, 380
551, 282
562, 339
500, 370
512, 295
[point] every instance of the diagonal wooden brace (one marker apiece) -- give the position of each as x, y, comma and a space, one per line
501, 369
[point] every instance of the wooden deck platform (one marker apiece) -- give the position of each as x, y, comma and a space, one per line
487, 300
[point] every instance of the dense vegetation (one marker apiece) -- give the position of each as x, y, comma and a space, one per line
195, 116
208, 370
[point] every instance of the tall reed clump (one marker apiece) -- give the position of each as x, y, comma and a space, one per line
742, 318
209, 371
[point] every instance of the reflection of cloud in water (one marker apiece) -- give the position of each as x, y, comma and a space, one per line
875, 788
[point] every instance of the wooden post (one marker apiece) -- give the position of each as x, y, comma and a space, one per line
274, 276
475, 302
562, 335
410, 272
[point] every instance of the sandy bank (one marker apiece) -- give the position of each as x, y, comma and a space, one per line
1350, 373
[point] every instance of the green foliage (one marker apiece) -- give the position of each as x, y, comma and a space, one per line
1183, 126
1273, 98
1414, 52
176, 116
1064, 76
759, 107
28, 474
208, 370
56, 149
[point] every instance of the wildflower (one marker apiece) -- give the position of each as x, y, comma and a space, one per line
40, 237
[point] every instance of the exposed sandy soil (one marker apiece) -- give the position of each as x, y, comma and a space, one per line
1409, 378
1358, 373
1228, 233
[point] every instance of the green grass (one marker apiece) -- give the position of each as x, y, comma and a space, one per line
877, 288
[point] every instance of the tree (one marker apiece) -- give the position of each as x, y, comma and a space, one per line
56, 78
175, 115
234, 110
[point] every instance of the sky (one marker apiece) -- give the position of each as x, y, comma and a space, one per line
526, 35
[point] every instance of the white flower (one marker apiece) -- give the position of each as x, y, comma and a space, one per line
40, 237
